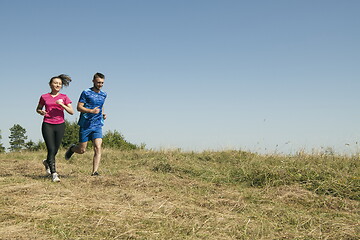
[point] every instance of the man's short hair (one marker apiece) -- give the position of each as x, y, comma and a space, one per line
99, 75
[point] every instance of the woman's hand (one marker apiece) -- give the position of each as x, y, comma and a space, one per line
42, 112
60, 102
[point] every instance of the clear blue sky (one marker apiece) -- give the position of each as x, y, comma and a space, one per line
271, 75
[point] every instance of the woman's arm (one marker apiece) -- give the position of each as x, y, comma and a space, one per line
39, 110
67, 108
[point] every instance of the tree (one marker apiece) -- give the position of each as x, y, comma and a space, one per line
17, 138
2, 148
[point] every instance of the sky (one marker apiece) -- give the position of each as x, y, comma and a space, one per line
269, 76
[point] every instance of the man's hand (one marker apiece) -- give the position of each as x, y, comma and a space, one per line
95, 110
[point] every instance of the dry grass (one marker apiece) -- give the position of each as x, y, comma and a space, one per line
174, 195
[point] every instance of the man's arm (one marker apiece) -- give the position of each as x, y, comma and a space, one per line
104, 114
81, 108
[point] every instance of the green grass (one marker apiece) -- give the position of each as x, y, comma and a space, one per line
181, 195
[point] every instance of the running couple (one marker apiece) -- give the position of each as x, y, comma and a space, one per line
90, 106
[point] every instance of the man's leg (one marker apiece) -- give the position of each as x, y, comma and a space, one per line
79, 148
97, 142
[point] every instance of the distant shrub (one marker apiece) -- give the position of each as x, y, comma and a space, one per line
115, 140
32, 146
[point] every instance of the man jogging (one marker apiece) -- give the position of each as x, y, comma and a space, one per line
91, 120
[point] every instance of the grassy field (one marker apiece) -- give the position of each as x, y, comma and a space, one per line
181, 195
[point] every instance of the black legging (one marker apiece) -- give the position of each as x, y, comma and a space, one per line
52, 134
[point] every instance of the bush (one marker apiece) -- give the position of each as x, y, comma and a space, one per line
32, 146
113, 139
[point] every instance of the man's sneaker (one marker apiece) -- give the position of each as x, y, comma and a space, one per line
47, 168
55, 177
69, 152
95, 174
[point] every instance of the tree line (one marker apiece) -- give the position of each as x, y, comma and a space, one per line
18, 139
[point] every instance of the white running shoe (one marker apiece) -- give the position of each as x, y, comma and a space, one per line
47, 168
55, 177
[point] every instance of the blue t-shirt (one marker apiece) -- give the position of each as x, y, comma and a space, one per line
91, 100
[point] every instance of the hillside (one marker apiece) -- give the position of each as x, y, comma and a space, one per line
181, 195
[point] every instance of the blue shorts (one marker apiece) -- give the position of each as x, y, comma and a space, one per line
87, 134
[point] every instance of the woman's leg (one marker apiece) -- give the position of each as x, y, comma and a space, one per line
49, 138
59, 134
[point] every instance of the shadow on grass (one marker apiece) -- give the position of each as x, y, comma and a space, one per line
38, 177
6, 175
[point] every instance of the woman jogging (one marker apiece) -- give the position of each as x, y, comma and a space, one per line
53, 126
